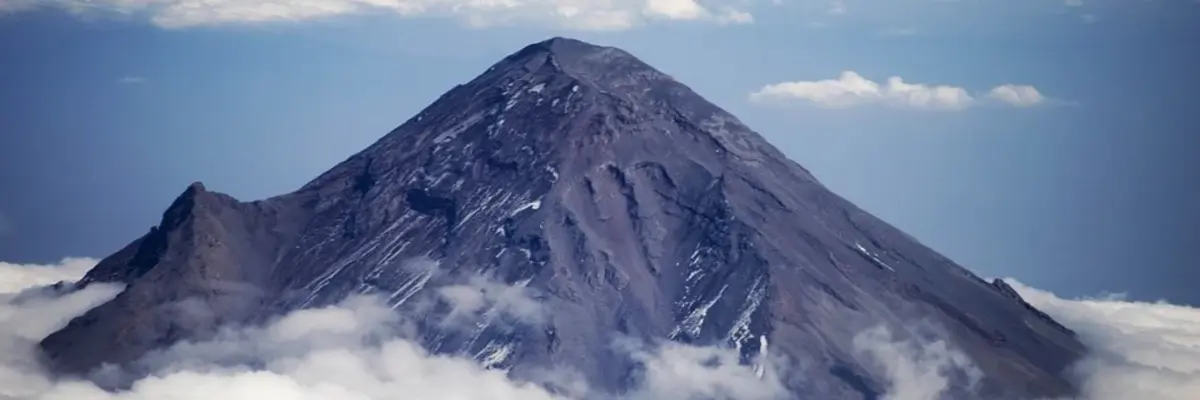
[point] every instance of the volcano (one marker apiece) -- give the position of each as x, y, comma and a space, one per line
632, 205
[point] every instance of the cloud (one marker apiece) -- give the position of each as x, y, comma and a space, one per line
483, 297
1017, 95
705, 372
851, 89
131, 80
914, 369
1073, 3
360, 349
1142, 350
1139, 350
569, 14
355, 350
16, 277
27, 315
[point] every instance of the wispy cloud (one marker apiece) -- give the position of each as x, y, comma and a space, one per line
914, 369
851, 89
480, 295
571, 14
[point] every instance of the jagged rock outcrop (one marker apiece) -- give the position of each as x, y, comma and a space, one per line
631, 203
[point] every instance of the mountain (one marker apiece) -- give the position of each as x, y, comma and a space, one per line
628, 202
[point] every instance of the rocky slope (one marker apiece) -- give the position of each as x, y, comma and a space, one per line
628, 202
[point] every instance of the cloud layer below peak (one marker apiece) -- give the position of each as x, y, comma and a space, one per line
587, 15
347, 351
851, 89
359, 349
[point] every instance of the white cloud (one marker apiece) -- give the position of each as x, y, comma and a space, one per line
1073, 3
1017, 95
480, 296
354, 351
1139, 350
351, 351
568, 14
852, 89
26, 317
915, 370
1142, 350
15, 277
706, 372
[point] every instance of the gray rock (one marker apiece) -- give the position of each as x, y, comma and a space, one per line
630, 203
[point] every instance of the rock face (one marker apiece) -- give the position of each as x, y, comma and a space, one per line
629, 202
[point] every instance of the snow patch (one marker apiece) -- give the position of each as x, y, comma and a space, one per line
492, 355
740, 331
873, 257
449, 134
694, 269
534, 205
537, 88
410, 288
512, 101
695, 320
760, 366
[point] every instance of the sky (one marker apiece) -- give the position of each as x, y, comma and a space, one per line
1043, 140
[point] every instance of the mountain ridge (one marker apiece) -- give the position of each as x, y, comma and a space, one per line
635, 205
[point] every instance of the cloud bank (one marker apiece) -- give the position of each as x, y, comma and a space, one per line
1142, 350
27, 315
17, 277
851, 89
360, 350
593, 15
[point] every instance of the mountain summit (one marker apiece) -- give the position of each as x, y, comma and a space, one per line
629, 203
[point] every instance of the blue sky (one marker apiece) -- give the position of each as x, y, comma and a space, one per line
1043, 140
